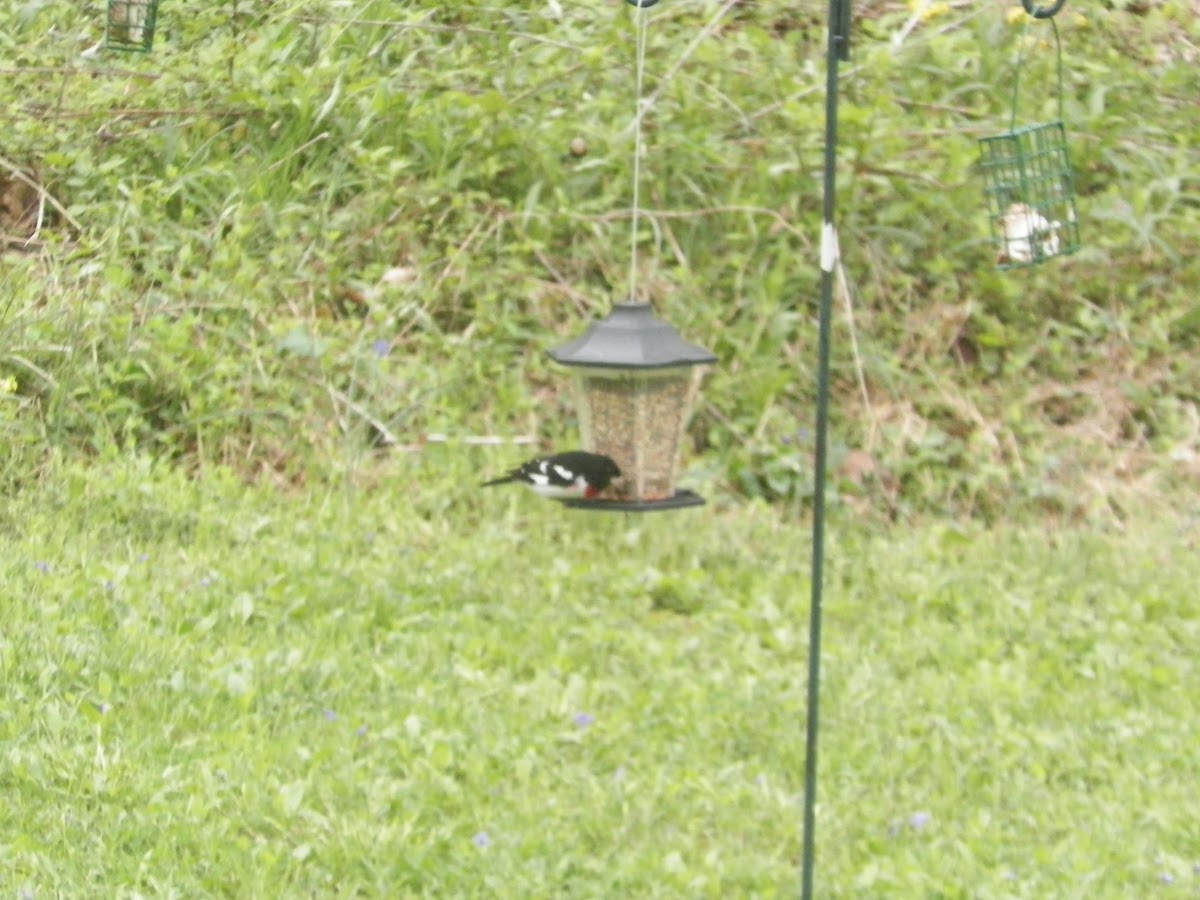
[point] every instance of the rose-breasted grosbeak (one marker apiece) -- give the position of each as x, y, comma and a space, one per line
564, 476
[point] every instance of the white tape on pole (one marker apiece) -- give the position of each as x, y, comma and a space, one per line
829, 247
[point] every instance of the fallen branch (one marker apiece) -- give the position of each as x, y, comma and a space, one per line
58, 70
429, 26
26, 243
617, 214
485, 440
137, 111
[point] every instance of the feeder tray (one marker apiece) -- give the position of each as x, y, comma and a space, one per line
681, 500
1029, 187
129, 25
637, 380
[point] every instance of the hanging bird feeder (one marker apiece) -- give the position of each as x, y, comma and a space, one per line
1028, 182
129, 25
637, 379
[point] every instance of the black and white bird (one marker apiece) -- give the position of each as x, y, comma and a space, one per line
564, 476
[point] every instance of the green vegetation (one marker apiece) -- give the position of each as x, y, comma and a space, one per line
277, 188
261, 638
215, 691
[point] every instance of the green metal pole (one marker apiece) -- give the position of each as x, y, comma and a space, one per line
839, 49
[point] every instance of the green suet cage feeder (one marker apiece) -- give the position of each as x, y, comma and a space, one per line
129, 25
637, 380
1028, 182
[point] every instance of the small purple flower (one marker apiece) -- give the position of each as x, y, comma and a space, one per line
109, 585
584, 719
919, 821
205, 581
801, 436
144, 557
1166, 878
329, 714
43, 567
482, 840
382, 347
362, 730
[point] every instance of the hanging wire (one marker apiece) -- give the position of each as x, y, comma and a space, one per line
1012, 120
640, 19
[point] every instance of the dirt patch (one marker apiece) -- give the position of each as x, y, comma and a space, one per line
20, 203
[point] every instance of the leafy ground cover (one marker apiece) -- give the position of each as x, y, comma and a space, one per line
219, 691
233, 230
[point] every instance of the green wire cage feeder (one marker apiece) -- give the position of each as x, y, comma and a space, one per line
129, 25
1028, 182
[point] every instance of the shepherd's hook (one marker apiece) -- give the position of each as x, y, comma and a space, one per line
1038, 12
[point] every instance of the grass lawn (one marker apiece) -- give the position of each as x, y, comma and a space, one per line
215, 690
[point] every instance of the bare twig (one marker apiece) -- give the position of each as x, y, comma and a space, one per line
898, 173
709, 27
389, 438
582, 301
964, 111
860, 375
14, 358
323, 136
143, 112
664, 233
485, 440
792, 98
41, 217
428, 26
460, 250
618, 214
25, 243
57, 70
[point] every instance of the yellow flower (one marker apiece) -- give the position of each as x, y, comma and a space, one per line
925, 10
1015, 16
8, 385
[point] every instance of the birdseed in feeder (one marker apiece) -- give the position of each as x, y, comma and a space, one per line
638, 420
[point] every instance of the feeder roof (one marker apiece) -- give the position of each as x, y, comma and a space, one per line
632, 337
